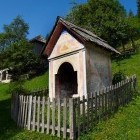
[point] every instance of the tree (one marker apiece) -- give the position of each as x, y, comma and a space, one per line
20, 58
17, 53
106, 18
130, 14
133, 30
138, 8
15, 31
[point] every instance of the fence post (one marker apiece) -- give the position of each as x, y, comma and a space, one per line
59, 117
43, 107
34, 113
78, 115
38, 114
53, 116
64, 117
72, 119
29, 112
48, 116
26, 110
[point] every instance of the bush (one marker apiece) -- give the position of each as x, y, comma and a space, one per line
118, 77
17, 87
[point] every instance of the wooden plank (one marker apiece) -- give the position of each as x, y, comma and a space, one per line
19, 111
111, 98
119, 94
72, 121
96, 106
43, 106
103, 102
64, 117
83, 112
59, 118
34, 113
38, 114
21, 117
99, 105
48, 116
109, 93
92, 107
29, 112
53, 117
26, 110
88, 115
106, 101
16, 106
78, 115
115, 97
23, 112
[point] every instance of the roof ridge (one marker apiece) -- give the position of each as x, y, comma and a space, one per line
82, 29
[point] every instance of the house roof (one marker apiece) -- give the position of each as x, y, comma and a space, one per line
80, 33
38, 38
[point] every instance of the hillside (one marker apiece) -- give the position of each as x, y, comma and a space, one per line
124, 125
120, 126
128, 66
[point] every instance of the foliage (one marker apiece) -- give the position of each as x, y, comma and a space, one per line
17, 53
105, 18
138, 9
131, 66
15, 31
118, 77
17, 87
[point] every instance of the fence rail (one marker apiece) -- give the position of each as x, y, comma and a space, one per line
70, 117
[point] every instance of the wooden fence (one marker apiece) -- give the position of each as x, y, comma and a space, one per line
70, 117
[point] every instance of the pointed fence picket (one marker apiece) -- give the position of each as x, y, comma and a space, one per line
69, 117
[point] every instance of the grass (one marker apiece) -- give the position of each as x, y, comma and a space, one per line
8, 129
38, 82
129, 66
124, 125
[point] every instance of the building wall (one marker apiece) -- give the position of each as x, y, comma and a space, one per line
68, 49
65, 44
37, 47
98, 68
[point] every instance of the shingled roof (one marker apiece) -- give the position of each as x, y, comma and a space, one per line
85, 35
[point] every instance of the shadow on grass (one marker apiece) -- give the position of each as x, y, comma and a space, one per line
8, 128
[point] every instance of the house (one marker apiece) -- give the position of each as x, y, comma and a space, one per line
5, 77
38, 43
79, 61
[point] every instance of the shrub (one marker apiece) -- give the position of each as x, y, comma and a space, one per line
17, 87
118, 77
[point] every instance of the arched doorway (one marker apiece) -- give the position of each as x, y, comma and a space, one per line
66, 81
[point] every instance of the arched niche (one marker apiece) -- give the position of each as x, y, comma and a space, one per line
66, 81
